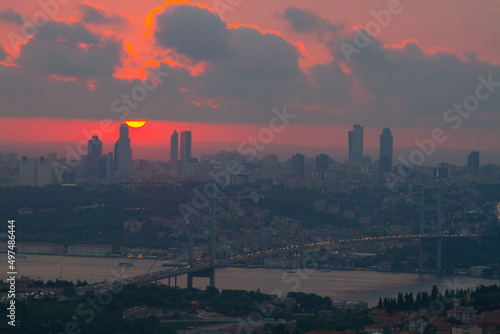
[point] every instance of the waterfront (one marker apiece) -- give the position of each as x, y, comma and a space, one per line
339, 285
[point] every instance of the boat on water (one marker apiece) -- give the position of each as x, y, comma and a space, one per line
460, 272
125, 264
325, 270
291, 271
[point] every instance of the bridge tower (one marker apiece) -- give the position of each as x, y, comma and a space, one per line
439, 222
190, 240
212, 238
210, 272
422, 223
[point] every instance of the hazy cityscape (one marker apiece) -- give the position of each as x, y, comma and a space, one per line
235, 167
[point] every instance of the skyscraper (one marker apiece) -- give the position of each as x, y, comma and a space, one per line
386, 152
94, 151
298, 165
473, 163
174, 150
185, 157
26, 171
105, 166
123, 152
35, 172
322, 161
356, 143
43, 172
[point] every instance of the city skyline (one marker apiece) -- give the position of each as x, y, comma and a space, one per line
457, 157
412, 104
264, 167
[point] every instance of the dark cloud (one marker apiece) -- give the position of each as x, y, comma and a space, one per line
247, 73
70, 50
333, 87
245, 64
262, 69
193, 31
3, 54
305, 21
405, 80
11, 16
95, 15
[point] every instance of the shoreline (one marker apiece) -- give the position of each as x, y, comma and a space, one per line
262, 267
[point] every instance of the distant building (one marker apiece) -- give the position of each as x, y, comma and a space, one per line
89, 250
298, 165
322, 162
351, 305
477, 271
270, 161
463, 314
26, 171
386, 152
443, 170
464, 329
174, 150
68, 176
40, 248
43, 172
355, 138
35, 172
473, 163
185, 157
105, 166
94, 151
123, 152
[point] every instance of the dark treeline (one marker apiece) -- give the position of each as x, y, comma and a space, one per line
483, 298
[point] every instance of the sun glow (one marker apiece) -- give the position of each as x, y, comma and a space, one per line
136, 123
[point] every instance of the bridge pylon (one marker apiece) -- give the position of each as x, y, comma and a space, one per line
210, 272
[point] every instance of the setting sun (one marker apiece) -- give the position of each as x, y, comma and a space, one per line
136, 123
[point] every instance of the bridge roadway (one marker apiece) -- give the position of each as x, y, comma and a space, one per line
204, 266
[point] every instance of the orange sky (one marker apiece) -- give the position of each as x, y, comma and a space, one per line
452, 26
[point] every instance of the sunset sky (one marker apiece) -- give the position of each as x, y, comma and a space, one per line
221, 66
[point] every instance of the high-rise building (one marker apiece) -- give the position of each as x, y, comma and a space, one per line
322, 161
123, 152
43, 172
473, 163
94, 151
356, 143
270, 161
35, 172
105, 166
174, 150
386, 152
298, 165
26, 171
68, 176
185, 157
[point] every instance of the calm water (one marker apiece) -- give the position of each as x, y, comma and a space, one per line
339, 285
